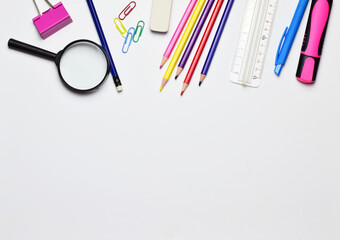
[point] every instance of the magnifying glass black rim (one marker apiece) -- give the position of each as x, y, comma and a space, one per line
61, 53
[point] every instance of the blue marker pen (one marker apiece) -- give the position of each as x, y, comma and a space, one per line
289, 36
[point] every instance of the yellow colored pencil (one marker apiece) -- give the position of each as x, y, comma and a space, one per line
183, 42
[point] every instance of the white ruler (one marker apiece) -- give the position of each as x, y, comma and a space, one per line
253, 42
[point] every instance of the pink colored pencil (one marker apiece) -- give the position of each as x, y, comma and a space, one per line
178, 31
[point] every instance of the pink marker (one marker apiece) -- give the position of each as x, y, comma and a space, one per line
313, 41
178, 31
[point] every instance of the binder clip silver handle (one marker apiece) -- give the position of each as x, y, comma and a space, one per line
38, 8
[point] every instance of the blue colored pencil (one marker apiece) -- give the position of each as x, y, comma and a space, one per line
104, 44
216, 41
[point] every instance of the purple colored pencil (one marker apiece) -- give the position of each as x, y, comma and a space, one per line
194, 36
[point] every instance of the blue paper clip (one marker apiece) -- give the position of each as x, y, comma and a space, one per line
130, 35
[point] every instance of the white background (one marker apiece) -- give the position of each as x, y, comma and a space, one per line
222, 162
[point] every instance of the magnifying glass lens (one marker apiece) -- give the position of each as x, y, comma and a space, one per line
83, 66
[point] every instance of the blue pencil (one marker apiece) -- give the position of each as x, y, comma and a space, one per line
217, 38
104, 44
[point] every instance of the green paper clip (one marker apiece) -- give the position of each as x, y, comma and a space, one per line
122, 30
140, 25
126, 46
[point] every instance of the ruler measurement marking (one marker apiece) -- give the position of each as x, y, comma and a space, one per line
253, 42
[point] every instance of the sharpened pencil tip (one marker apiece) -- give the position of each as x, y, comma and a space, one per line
176, 77
182, 93
161, 89
202, 78
160, 67
164, 59
163, 84
200, 83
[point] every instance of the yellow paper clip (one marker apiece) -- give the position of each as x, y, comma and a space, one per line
120, 27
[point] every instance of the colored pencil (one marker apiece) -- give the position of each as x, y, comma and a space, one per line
216, 41
105, 45
194, 36
178, 32
182, 43
202, 45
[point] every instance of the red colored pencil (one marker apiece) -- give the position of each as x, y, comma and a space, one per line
202, 45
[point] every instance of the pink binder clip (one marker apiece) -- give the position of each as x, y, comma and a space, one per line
127, 10
51, 20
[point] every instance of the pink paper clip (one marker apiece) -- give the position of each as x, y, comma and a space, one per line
51, 20
127, 10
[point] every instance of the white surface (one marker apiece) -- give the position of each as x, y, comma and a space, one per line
222, 162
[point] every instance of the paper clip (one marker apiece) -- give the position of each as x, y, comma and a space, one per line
126, 45
120, 28
140, 25
127, 10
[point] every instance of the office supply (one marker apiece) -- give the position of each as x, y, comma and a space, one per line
253, 42
314, 40
140, 27
52, 20
120, 27
127, 10
194, 37
216, 41
182, 43
178, 32
83, 65
202, 45
128, 40
289, 36
160, 15
104, 44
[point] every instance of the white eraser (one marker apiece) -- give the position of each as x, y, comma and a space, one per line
160, 15
119, 88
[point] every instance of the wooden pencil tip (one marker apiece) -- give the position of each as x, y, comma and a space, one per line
199, 84
164, 60
184, 88
163, 84
179, 71
176, 77
202, 77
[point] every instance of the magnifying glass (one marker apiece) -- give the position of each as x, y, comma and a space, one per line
83, 65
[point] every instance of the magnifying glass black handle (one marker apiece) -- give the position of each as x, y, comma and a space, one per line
24, 47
